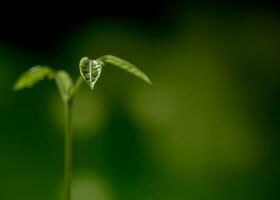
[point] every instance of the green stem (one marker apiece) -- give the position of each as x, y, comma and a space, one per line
76, 87
68, 149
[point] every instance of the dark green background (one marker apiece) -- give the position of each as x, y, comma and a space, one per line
208, 127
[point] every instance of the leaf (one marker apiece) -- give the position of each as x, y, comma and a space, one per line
125, 66
33, 76
90, 70
64, 83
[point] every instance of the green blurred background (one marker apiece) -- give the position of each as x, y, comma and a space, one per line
208, 128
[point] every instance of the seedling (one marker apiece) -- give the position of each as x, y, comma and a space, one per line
90, 71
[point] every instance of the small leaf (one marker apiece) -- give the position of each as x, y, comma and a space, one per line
33, 76
64, 83
90, 70
125, 66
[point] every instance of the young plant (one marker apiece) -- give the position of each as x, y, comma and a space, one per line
90, 71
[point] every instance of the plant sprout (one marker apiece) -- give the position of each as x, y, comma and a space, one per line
90, 71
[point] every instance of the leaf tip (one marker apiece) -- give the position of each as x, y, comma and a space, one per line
19, 85
15, 88
84, 62
149, 81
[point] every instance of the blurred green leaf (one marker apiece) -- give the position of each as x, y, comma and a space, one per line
33, 76
90, 70
125, 66
64, 83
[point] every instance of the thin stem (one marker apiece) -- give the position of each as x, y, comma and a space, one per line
68, 149
76, 87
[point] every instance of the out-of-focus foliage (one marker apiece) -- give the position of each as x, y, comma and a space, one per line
113, 60
33, 76
64, 83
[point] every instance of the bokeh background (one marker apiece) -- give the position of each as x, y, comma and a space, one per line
208, 128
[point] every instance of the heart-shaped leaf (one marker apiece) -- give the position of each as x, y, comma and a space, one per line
125, 66
90, 70
33, 76
64, 84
